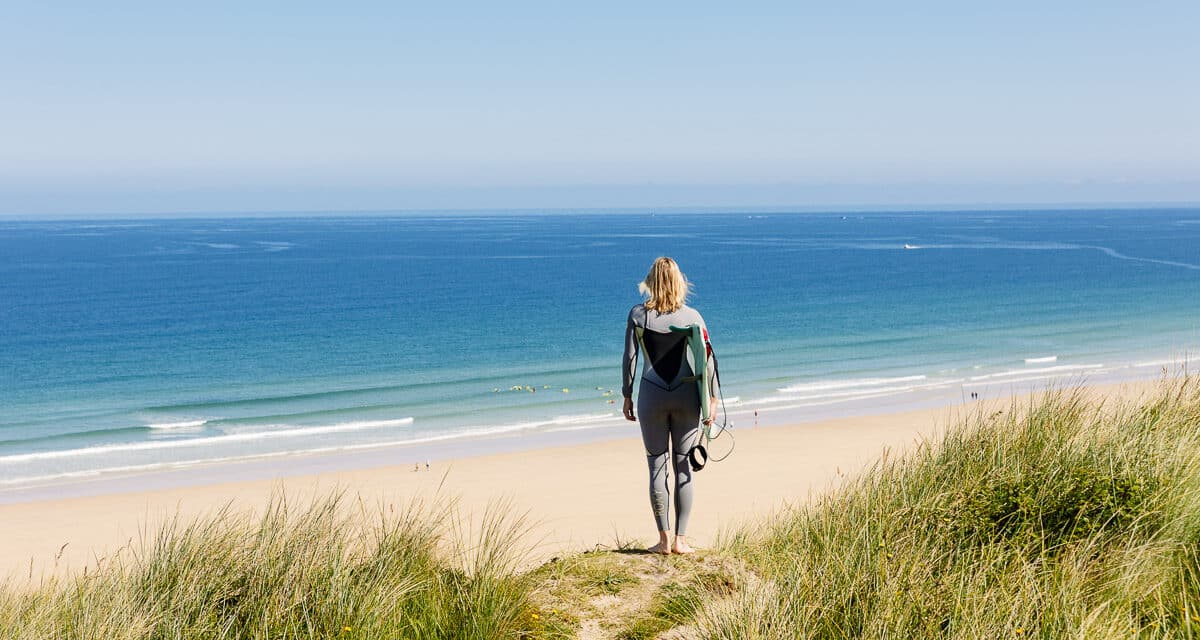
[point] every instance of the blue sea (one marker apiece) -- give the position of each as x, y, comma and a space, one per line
147, 345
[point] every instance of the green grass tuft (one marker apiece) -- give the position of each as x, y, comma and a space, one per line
675, 604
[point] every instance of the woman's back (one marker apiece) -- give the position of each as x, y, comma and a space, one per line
666, 364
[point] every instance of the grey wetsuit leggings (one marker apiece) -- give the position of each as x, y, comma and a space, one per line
669, 417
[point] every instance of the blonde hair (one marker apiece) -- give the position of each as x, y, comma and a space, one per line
665, 286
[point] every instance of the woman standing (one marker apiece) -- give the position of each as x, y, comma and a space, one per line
668, 397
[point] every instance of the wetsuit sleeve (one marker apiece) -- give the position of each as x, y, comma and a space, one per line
629, 362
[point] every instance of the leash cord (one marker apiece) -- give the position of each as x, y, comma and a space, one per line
725, 426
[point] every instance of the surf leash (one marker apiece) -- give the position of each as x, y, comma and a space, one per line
698, 455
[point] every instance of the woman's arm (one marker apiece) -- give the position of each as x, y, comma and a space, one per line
629, 367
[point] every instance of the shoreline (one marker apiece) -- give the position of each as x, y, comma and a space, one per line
580, 495
858, 397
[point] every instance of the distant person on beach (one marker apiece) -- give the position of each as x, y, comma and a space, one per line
668, 398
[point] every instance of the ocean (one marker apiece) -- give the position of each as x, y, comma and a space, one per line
149, 345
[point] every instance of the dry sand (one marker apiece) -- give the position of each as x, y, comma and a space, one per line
579, 497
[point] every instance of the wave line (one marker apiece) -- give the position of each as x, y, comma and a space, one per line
199, 442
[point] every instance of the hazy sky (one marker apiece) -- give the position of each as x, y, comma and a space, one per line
157, 107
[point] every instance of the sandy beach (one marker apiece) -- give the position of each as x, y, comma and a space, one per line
578, 497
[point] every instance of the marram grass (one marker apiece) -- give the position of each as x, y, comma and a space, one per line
325, 570
1067, 517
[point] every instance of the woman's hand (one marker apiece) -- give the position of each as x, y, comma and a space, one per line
712, 410
628, 410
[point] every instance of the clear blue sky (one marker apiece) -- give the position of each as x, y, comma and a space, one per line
157, 107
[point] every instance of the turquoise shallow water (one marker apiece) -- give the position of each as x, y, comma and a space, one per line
134, 345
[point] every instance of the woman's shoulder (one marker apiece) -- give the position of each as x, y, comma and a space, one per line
637, 311
689, 315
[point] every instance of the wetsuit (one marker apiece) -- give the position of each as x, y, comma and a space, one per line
668, 404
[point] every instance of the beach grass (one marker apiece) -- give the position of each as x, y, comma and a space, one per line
1067, 517
326, 569
1062, 516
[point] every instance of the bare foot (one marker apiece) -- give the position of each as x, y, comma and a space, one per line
661, 548
683, 548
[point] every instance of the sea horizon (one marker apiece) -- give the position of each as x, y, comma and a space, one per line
633, 209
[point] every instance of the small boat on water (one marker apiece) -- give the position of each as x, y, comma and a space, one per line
910, 246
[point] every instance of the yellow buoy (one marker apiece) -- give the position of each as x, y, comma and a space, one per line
566, 390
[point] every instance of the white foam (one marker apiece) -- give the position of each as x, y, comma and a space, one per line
777, 403
846, 395
1011, 381
583, 425
1059, 370
180, 464
75, 475
186, 425
1041, 360
583, 418
138, 468
1120, 256
332, 428
653, 236
1162, 363
201, 442
470, 432
272, 247
846, 384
